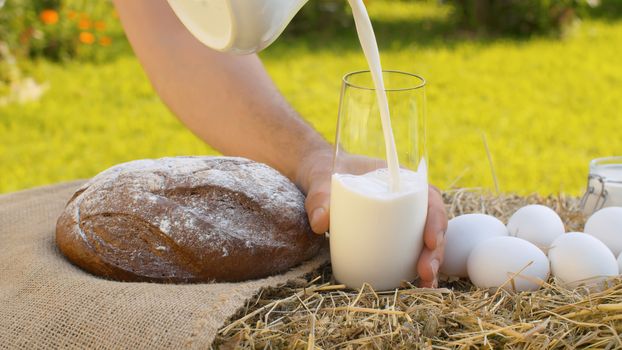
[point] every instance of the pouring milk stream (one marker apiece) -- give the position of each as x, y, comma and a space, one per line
377, 218
370, 49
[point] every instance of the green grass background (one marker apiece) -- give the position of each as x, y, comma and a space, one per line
546, 105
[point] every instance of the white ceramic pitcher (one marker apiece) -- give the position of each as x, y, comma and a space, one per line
237, 26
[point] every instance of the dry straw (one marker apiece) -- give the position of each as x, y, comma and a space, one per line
314, 313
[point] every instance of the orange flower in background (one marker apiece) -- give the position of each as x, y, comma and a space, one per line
49, 16
71, 14
105, 41
100, 25
84, 23
87, 38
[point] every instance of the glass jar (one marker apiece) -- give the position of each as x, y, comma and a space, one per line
604, 185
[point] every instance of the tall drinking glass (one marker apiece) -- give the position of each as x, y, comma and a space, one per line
376, 235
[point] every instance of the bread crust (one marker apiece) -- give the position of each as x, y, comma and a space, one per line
187, 219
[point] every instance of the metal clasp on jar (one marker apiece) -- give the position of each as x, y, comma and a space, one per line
595, 195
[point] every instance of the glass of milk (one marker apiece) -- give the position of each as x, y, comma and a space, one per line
604, 184
376, 230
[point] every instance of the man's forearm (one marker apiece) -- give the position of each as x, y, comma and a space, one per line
228, 101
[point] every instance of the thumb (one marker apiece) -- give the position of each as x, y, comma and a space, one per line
317, 206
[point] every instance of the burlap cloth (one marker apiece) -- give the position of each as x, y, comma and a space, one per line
47, 303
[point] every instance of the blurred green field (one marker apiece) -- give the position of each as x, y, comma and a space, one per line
546, 106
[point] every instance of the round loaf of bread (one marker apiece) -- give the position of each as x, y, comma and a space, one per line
187, 219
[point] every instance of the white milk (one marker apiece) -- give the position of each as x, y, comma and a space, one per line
370, 49
376, 235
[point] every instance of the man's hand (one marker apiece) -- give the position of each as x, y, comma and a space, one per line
314, 178
433, 251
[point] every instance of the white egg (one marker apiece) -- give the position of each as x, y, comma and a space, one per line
577, 258
620, 264
508, 262
537, 224
463, 234
606, 225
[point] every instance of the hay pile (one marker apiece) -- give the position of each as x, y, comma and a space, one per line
314, 313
